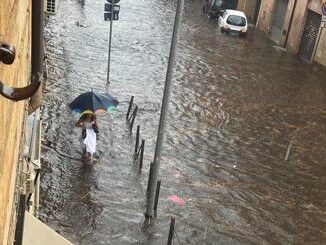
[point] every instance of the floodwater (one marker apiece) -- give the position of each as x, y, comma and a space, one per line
236, 105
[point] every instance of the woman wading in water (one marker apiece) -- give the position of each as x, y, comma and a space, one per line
89, 134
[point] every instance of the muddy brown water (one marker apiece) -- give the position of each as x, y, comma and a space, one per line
236, 104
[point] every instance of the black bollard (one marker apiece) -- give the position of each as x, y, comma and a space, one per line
142, 146
171, 232
137, 142
134, 113
130, 106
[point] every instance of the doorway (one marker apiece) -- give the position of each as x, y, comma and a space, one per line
278, 21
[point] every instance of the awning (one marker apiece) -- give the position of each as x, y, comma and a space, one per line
38, 233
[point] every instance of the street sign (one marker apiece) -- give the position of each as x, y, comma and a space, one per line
324, 9
111, 8
108, 16
323, 21
111, 12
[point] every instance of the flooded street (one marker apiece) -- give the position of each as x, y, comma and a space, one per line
236, 105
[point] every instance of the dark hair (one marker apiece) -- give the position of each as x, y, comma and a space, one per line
88, 115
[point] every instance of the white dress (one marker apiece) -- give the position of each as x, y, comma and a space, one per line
90, 139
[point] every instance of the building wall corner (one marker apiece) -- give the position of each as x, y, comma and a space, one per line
298, 22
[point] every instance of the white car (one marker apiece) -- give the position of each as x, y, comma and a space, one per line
233, 21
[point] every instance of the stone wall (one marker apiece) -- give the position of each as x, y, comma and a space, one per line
320, 56
294, 32
248, 7
265, 16
15, 29
298, 22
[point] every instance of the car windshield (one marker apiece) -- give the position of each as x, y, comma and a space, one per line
236, 20
217, 3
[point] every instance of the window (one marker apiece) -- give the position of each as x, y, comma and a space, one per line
236, 20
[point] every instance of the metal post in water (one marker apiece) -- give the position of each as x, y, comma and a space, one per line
141, 154
109, 53
134, 113
157, 194
130, 106
137, 141
164, 110
171, 231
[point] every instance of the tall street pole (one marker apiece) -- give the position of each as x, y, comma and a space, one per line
164, 109
109, 54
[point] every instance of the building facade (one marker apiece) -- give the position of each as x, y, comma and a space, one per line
21, 60
250, 8
13, 114
296, 25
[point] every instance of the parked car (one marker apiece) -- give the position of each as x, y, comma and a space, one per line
233, 21
218, 7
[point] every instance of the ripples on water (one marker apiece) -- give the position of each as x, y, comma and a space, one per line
235, 106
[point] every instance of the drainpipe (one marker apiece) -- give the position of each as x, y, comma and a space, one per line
290, 24
37, 52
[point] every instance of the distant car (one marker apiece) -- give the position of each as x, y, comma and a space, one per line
218, 7
233, 21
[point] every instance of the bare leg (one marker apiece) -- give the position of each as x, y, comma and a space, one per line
88, 156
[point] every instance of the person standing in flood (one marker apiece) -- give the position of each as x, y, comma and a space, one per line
89, 134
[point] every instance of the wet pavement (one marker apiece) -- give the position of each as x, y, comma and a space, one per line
236, 105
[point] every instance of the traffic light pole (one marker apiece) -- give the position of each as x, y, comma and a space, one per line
155, 166
109, 53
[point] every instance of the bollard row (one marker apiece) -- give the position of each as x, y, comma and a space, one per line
131, 113
139, 150
139, 155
